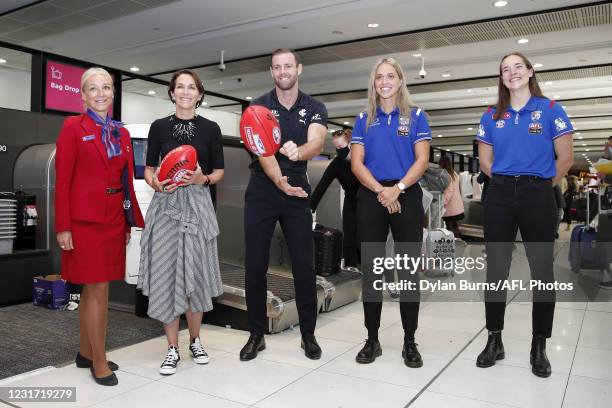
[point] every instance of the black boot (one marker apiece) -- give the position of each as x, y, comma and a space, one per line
411, 355
493, 351
312, 350
540, 365
369, 352
255, 343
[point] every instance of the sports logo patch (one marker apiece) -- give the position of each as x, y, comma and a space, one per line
560, 124
316, 116
481, 131
500, 124
536, 115
506, 115
276, 134
535, 128
403, 130
275, 112
302, 112
404, 121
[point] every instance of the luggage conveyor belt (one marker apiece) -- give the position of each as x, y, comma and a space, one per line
230, 308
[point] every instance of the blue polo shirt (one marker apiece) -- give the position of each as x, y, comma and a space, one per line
389, 141
523, 141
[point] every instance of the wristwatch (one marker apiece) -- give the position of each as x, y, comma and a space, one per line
401, 186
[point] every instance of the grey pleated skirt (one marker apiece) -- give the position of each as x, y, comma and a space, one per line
179, 264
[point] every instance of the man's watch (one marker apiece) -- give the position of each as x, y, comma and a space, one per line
401, 186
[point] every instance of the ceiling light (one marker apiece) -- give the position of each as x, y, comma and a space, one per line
469, 91
448, 150
556, 96
522, 41
538, 65
2, 61
587, 150
579, 137
548, 83
584, 144
439, 135
417, 55
134, 69
578, 134
248, 98
204, 103
151, 92
500, 3
373, 25
346, 123
446, 75
470, 128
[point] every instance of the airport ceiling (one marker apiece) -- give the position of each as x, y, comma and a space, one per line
461, 41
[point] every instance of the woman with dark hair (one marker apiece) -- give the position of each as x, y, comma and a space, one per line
95, 205
569, 196
390, 149
453, 203
525, 145
179, 266
340, 168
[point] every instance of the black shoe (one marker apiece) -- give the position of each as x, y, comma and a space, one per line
84, 362
493, 351
310, 346
369, 352
109, 380
255, 343
540, 365
411, 355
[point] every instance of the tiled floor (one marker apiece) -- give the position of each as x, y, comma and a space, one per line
450, 336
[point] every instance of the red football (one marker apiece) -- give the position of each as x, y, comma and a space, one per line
260, 131
177, 162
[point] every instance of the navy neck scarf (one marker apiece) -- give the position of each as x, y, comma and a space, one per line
110, 133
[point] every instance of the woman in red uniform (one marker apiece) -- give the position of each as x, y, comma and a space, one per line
95, 205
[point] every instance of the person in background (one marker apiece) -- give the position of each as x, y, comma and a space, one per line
179, 264
605, 227
453, 203
340, 168
95, 207
569, 196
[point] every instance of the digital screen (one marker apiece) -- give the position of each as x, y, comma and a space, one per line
139, 147
63, 87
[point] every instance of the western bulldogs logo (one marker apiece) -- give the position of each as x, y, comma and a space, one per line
536, 115
481, 131
404, 121
560, 124
500, 124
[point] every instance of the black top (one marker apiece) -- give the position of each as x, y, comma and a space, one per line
171, 132
341, 169
294, 126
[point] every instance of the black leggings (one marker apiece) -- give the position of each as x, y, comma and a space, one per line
407, 230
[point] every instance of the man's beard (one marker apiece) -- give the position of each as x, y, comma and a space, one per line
285, 85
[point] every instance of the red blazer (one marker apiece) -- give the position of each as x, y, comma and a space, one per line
82, 176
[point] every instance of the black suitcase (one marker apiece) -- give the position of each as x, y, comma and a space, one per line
328, 250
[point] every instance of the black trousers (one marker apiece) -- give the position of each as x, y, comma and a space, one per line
526, 204
350, 242
407, 230
265, 204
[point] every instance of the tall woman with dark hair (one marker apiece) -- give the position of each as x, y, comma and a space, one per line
390, 149
525, 145
179, 266
453, 203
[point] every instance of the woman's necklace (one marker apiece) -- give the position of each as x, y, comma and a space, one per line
183, 130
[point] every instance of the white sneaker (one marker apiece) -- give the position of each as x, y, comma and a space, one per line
170, 363
198, 353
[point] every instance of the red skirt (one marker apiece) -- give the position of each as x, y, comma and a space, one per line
98, 254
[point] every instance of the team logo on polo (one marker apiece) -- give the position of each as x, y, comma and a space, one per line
500, 124
506, 115
560, 124
481, 131
404, 121
535, 128
275, 112
403, 130
536, 115
302, 112
316, 116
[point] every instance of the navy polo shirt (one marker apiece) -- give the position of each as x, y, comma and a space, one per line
523, 141
389, 141
294, 125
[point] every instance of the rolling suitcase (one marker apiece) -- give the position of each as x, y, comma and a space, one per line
328, 250
439, 242
584, 251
